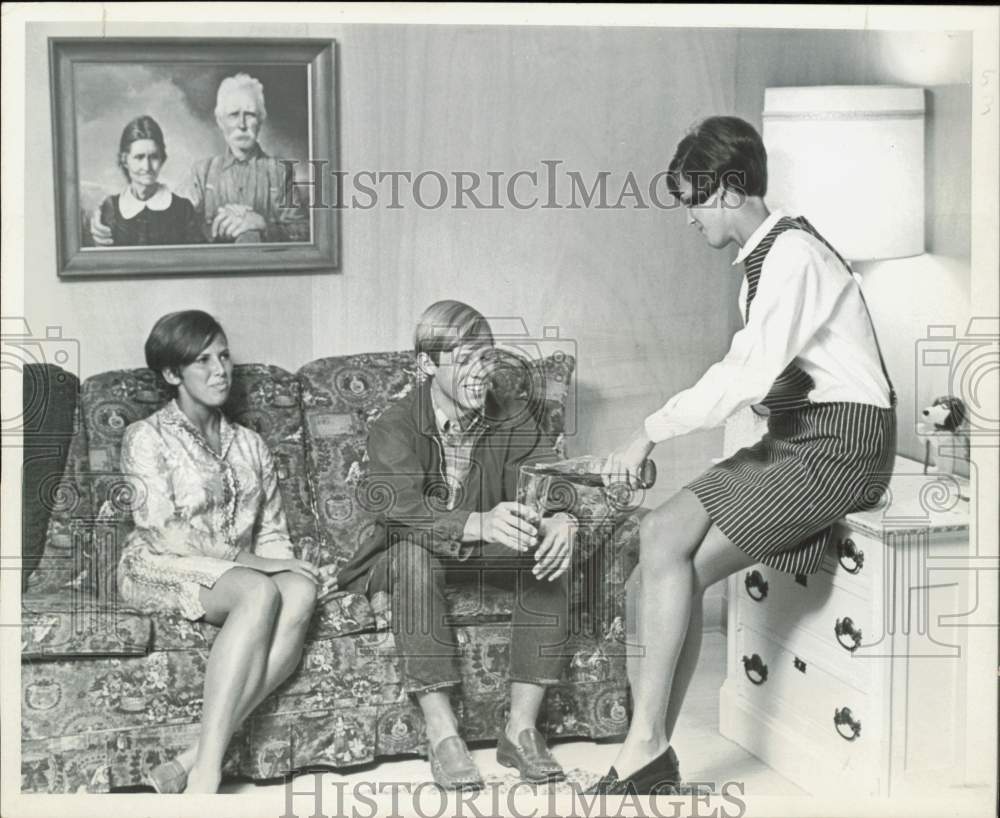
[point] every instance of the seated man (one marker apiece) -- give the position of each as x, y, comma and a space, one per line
448, 456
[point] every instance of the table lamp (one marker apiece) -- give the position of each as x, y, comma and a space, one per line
851, 160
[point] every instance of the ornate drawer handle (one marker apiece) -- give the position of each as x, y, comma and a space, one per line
755, 580
847, 550
842, 716
755, 669
845, 627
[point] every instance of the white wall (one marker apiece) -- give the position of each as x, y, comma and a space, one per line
648, 305
905, 295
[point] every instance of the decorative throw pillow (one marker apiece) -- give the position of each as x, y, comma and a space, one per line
49, 402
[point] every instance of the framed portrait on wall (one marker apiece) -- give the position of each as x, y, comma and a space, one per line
192, 156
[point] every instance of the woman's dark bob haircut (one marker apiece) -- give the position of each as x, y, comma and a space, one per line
719, 151
178, 338
142, 127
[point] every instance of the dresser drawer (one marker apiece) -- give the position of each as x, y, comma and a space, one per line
851, 560
782, 683
835, 619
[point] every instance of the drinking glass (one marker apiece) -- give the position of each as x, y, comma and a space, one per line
533, 490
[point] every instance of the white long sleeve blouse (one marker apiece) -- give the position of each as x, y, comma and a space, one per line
808, 308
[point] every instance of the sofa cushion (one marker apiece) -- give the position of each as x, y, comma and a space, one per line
62, 565
343, 396
264, 398
55, 624
345, 613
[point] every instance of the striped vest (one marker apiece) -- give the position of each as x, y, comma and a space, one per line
790, 390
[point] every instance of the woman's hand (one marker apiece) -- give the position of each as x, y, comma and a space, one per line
625, 463
329, 586
555, 554
99, 231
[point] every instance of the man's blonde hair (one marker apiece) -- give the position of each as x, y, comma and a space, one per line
446, 324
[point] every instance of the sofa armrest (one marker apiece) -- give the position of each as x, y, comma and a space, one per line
65, 624
606, 555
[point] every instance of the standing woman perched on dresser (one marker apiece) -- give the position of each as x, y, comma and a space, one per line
808, 358
210, 540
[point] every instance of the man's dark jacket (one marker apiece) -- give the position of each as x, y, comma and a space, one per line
406, 487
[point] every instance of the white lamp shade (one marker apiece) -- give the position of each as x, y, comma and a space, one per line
851, 160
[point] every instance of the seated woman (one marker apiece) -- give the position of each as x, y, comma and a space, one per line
210, 540
145, 212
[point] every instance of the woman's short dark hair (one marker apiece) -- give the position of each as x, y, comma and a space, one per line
142, 127
178, 338
719, 151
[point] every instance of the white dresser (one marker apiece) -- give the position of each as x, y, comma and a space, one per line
852, 680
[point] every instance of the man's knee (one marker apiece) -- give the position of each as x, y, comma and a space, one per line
415, 568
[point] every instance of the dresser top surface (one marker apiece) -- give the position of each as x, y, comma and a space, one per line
935, 503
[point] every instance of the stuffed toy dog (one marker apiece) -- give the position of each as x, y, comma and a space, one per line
945, 432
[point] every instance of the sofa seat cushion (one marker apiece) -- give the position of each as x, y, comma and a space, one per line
341, 615
57, 624
65, 697
71, 697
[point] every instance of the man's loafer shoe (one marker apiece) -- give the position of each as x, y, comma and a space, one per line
452, 766
530, 755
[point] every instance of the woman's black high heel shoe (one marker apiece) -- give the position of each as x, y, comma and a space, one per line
661, 776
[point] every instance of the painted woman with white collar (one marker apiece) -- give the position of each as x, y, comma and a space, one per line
146, 212
807, 357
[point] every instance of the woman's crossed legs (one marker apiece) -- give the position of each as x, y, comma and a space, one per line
681, 553
263, 620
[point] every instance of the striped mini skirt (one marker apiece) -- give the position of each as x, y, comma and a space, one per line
777, 500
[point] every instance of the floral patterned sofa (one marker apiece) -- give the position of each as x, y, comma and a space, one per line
108, 693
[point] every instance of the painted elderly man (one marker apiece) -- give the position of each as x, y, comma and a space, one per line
240, 195
242, 192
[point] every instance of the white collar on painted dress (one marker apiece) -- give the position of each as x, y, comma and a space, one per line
130, 206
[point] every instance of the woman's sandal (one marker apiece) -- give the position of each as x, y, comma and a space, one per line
168, 777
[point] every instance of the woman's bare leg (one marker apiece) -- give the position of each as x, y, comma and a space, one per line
708, 570
298, 599
669, 539
246, 604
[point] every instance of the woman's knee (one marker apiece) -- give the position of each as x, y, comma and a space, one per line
260, 595
670, 534
241, 589
298, 598
658, 550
